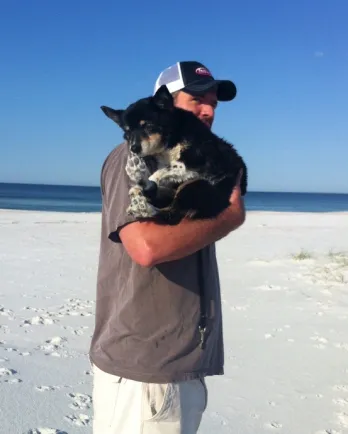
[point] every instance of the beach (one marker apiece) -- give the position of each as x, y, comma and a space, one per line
284, 283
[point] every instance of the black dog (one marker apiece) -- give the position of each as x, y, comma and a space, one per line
195, 169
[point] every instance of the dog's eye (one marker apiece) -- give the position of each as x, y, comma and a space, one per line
149, 126
146, 124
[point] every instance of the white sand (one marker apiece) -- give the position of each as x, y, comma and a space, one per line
285, 324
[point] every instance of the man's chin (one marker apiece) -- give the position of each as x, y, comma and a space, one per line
207, 123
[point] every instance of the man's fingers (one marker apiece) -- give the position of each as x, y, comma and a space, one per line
240, 175
239, 178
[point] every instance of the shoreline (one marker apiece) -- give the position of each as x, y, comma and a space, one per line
251, 211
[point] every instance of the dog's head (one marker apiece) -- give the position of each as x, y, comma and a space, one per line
147, 123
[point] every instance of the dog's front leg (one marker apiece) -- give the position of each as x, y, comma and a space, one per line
136, 168
176, 173
139, 206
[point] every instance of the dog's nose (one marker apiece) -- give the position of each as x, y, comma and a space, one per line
136, 148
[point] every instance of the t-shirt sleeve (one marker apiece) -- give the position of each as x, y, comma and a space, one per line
115, 186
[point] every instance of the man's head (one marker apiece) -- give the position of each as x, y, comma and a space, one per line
150, 123
195, 89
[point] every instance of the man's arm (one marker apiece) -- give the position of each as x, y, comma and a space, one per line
149, 243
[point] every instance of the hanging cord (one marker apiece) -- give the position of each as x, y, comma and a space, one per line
203, 319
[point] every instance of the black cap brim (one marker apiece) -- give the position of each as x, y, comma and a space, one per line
225, 89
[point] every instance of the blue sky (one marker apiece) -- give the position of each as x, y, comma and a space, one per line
60, 61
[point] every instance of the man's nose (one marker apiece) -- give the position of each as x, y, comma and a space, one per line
207, 111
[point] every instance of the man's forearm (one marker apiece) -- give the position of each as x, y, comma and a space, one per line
149, 243
168, 243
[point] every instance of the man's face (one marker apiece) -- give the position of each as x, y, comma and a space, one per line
201, 106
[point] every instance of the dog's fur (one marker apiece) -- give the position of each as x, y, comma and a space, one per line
196, 170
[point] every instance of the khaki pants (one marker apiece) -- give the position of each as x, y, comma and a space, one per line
123, 406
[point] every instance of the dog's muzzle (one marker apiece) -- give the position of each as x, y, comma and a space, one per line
135, 143
135, 148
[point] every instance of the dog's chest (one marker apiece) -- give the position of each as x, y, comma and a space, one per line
137, 169
163, 160
169, 156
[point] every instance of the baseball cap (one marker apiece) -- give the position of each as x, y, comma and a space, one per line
194, 78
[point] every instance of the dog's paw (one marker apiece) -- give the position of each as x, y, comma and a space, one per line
136, 168
139, 206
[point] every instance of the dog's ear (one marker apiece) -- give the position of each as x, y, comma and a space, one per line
115, 115
163, 98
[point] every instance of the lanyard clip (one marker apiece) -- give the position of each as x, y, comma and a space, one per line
202, 331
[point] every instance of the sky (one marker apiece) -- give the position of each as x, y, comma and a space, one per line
60, 61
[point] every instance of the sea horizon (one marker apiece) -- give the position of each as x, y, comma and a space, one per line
85, 198
98, 187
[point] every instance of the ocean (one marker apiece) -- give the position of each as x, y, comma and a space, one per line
88, 199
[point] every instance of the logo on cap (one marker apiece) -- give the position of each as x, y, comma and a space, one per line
202, 71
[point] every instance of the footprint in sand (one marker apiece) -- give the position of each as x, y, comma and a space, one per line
80, 401
77, 307
271, 288
46, 388
34, 309
38, 320
260, 262
76, 331
4, 329
328, 431
216, 416
53, 345
341, 346
5, 373
10, 349
45, 431
57, 341
7, 312
15, 350
275, 331
273, 425
321, 342
317, 395
341, 388
341, 402
14, 381
80, 420
342, 419
241, 308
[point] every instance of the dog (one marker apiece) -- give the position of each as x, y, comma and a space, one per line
193, 170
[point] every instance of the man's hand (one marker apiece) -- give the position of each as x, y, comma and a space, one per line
236, 196
149, 243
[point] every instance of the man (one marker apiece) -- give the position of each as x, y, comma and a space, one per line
155, 285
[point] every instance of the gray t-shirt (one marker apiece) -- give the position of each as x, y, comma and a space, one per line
147, 318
